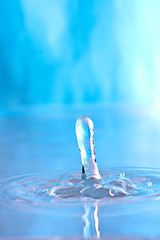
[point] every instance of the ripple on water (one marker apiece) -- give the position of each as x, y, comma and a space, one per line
117, 187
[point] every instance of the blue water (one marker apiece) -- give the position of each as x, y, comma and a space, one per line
43, 142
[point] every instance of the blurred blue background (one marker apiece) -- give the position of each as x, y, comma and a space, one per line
70, 52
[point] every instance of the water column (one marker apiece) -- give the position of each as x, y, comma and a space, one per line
85, 133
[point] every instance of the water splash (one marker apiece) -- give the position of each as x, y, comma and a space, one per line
47, 189
97, 188
88, 186
92, 188
85, 134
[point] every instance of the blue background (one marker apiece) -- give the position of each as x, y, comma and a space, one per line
73, 52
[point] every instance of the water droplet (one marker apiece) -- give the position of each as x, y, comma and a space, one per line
85, 133
149, 184
111, 193
122, 174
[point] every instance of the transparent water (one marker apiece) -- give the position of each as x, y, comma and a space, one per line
41, 190
117, 187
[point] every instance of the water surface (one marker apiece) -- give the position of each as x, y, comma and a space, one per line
41, 145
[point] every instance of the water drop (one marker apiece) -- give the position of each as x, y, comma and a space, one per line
111, 193
85, 138
149, 184
122, 174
